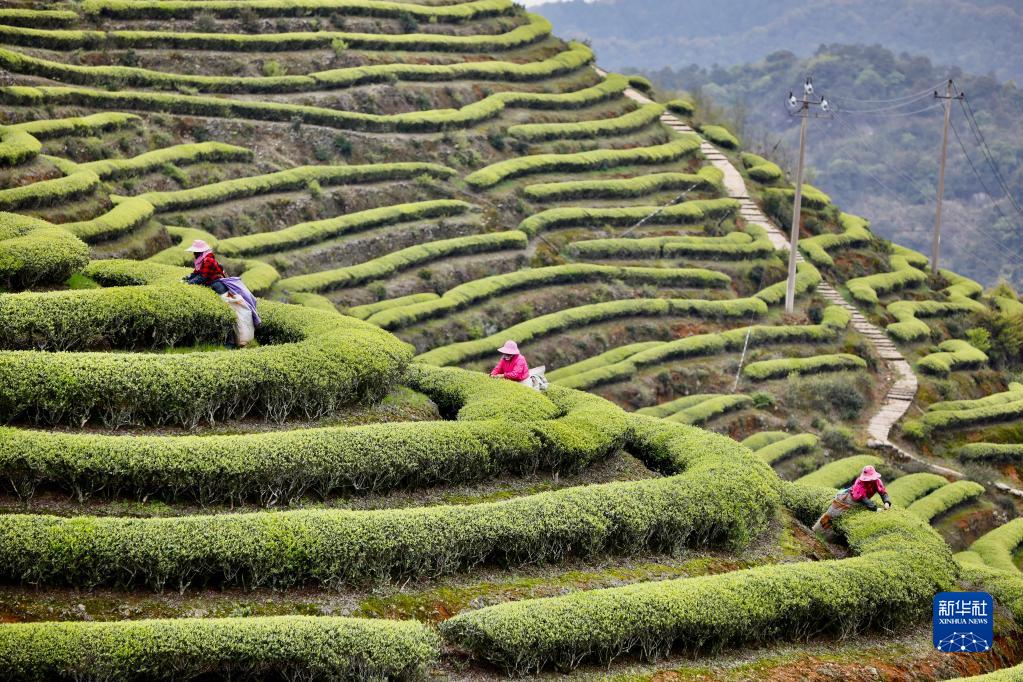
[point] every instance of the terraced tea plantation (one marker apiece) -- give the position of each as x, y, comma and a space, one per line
405, 186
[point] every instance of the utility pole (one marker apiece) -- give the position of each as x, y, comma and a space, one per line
936, 241
802, 109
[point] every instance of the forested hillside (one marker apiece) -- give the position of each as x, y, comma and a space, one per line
880, 158
981, 36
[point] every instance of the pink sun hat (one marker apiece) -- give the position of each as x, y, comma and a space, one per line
199, 246
869, 473
509, 348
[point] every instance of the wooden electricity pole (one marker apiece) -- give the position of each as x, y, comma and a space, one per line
802, 109
797, 206
936, 241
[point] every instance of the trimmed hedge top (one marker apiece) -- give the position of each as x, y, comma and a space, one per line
311, 362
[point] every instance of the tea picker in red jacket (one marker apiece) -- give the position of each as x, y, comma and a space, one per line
867, 484
512, 365
208, 272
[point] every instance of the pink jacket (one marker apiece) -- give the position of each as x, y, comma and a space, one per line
515, 369
862, 491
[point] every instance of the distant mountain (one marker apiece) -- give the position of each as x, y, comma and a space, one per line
981, 36
883, 163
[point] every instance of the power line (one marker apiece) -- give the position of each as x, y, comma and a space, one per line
979, 135
1006, 251
977, 174
926, 91
927, 193
898, 114
892, 107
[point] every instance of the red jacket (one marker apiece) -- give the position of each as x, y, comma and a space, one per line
209, 269
515, 369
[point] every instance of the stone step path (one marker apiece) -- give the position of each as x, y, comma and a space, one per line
903, 387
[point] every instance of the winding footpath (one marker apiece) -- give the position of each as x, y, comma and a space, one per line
902, 381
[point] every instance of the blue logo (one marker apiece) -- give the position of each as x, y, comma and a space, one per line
964, 622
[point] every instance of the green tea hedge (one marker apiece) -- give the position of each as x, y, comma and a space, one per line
855, 231
49, 192
384, 266
685, 212
259, 277
958, 418
736, 246
992, 452
776, 451
577, 56
597, 159
774, 369
807, 279
123, 318
839, 473
319, 230
720, 136
34, 252
49, 128
123, 218
682, 107
287, 180
707, 178
177, 154
36, 17
996, 547
903, 274
944, 498
762, 439
566, 433
906, 490
835, 319
902, 560
479, 290
953, 354
1015, 393
287, 647
672, 406
164, 9
17, 146
960, 286
718, 495
760, 169
620, 125
812, 197
308, 363
590, 314
909, 328
534, 30
416, 121
609, 357
712, 407
368, 310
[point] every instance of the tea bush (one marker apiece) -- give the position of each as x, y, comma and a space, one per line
907, 489
774, 369
479, 290
707, 178
953, 354
944, 498
308, 363
384, 266
597, 159
285, 646
903, 560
